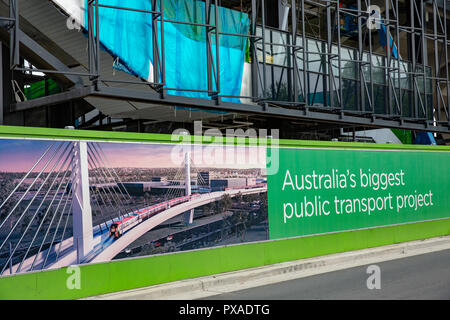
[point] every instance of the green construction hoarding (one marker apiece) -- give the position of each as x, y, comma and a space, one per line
316, 197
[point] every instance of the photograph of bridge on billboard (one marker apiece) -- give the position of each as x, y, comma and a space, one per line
75, 202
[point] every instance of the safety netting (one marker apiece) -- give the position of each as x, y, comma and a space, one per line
128, 36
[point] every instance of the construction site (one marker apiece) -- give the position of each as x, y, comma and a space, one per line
371, 71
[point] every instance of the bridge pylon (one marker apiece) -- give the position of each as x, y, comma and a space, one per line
188, 215
81, 205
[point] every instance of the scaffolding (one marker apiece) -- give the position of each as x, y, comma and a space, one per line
367, 63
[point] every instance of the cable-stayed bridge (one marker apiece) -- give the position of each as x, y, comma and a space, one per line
71, 207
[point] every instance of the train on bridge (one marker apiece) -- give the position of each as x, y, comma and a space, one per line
120, 227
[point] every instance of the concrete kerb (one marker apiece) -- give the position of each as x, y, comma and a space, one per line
254, 277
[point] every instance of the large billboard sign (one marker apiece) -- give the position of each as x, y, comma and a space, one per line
65, 202
74, 201
321, 191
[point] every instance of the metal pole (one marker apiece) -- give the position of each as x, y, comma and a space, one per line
163, 61
97, 40
14, 38
436, 60
361, 105
263, 30
446, 43
413, 58
155, 44
329, 57
254, 58
1, 84
387, 24
91, 39
305, 56
371, 68
294, 50
424, 60
208, 44
397, 31
340, 95
216, 8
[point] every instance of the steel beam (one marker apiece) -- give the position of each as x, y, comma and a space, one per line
41, 58
267, 111
57, 98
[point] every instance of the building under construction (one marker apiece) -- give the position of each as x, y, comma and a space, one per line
313, 69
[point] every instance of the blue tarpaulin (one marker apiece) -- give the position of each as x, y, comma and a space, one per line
128, 34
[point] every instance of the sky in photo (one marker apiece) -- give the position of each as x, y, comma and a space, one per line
19, 155
166, 156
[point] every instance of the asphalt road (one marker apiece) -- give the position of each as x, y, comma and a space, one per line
422, 277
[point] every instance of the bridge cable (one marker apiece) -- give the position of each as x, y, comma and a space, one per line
175, 192
104, 171
105, 219
27, 174
102, 190
104, 160
34, 197
43, 199
29, 188
107, 189
171, 192
53, 217
114, 171
64, 230
202, 180
56, 231
45, 215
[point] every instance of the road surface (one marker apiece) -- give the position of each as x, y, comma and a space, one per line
425, 276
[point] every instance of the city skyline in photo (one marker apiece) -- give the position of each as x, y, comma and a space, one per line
19, 155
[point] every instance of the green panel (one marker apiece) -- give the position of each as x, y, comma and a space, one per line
405, 136
322, 191
50, 133
37, 89
146, 271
